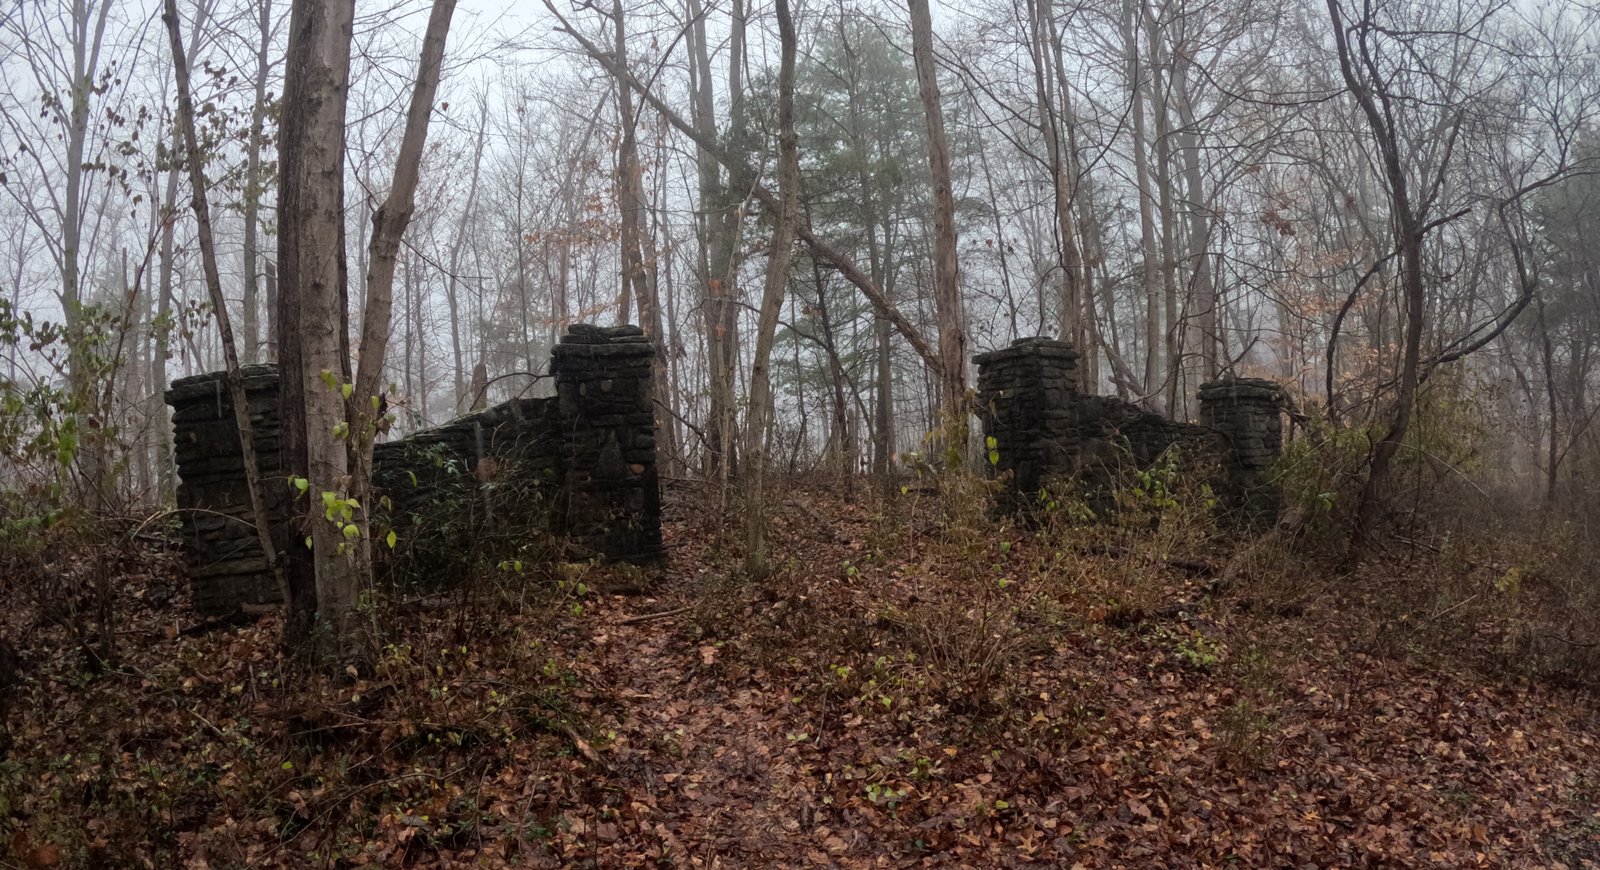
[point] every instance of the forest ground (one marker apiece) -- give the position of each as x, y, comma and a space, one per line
904, 689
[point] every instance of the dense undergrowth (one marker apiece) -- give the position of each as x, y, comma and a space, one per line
915, 682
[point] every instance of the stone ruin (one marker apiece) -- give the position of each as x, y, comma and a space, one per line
1047, 431
581, 464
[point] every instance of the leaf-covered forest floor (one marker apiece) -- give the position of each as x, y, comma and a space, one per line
903, 689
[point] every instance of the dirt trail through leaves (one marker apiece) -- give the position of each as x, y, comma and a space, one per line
745, 730
713, 764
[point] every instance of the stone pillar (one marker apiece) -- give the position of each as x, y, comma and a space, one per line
1247, 414
1023, 396
226, 568
607, 406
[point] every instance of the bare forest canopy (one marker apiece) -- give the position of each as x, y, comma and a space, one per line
1181, 190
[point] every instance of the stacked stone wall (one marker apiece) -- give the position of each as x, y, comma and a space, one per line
580, 464
221, 548
1047, 431
447, 491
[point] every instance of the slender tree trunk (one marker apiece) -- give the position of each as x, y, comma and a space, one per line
946, 277
1163, 178
417, 337
269, 270
88, 33
1408, 226
1202, 288
163, 332
1547, 357
777, 278
1093, 250
519, 238
1070, 318
253, 188
389, 224
312, 321
452, 280
844, 435
148, 392
638, 247
208, 258
883, 402
674, 449
1151, 252
725, 259
719, 226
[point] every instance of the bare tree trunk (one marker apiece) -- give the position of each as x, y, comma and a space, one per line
145, 392
1093, 251
163, 334
520, 239
87, 37
1151, 273
269, 271
638, 247
253, 189
1408, 231
703, 114
673, 451
760, 417
883, 403
1202, 288
1547, 358
946, 277
312, 320
456, 246
844, 433
208, 259
1169, 245
416, 293
1070, 316
724, 284
388, 228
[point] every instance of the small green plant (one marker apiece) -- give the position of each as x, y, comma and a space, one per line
1153, 488
885, 795
1199, 652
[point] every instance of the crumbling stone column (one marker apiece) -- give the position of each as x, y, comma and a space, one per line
226, 567
607, 406
1023, 396
1247, 415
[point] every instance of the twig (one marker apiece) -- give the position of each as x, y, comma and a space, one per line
582, 745
1462, 603
646, 617
204, 721
1573, 643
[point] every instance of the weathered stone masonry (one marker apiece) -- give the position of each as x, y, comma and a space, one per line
1047, 431
226, 568
606, 405
588, 453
